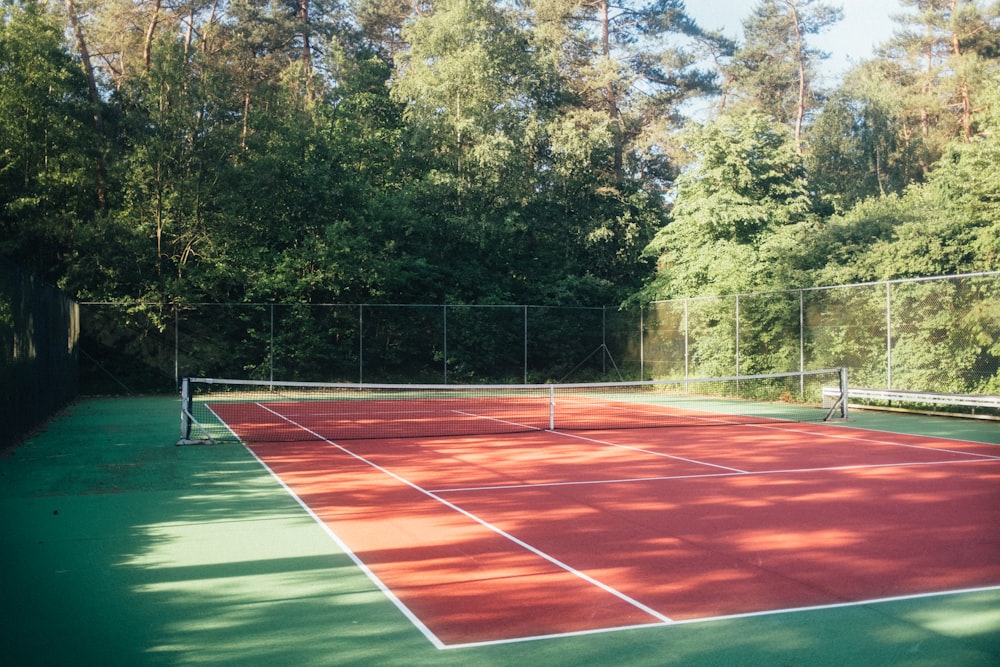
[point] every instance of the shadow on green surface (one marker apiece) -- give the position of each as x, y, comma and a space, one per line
119, 548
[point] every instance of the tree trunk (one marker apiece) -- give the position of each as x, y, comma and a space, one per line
95, 100
306, 47
147, 45
246, 120
800, 56
964, 97
610, 94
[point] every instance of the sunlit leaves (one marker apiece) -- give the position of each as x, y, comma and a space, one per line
746, 182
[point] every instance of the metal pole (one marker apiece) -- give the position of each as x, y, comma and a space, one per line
686, 339
552, 407
604, 341
888, 335
844, 389
737, 336
271, 360
185, 411
802, 343
177, 345
444, 310
642, 344
361, 343
525, 345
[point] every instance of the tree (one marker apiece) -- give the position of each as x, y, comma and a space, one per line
954, 226
47, 144
861, 144
775, 70
948, 48
381, 24
950, 224
745, 185
887, 125
468, 86
173, 118
514, 170
95, 99
634, 62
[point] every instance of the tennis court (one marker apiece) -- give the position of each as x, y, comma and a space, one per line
120, 548
486, 522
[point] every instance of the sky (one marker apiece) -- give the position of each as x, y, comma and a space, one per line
866, 24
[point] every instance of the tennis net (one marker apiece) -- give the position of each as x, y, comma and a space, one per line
263, 411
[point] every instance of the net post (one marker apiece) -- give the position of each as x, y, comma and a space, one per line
838, 411
843, 393
188, 420
552, 407
185, 412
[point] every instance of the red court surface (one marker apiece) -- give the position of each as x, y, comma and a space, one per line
494, 538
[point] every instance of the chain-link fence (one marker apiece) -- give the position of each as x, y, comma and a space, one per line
139, 348
937, 334
39, 328
932, 335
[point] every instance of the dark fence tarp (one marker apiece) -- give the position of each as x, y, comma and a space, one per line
39, 333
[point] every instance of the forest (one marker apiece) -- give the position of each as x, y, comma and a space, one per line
549, 152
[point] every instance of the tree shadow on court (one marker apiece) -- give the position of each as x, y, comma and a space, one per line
120, 548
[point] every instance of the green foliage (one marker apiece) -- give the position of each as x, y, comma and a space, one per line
46, 144
858, 145
951, 224
747, 182
775, 70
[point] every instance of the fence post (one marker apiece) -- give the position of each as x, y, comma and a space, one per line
737, 335
642, 344
177, 345
802, 343
888, 335
844, 388
525, 344
687, 330
604, 341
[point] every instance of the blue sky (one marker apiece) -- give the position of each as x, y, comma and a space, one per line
866, 24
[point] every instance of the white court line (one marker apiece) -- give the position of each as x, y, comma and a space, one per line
729, 617
527, 428
647, 451
733, 472
789, 471
607, 443
413, 618
786, 427
791, 424
521, 543
825, 434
